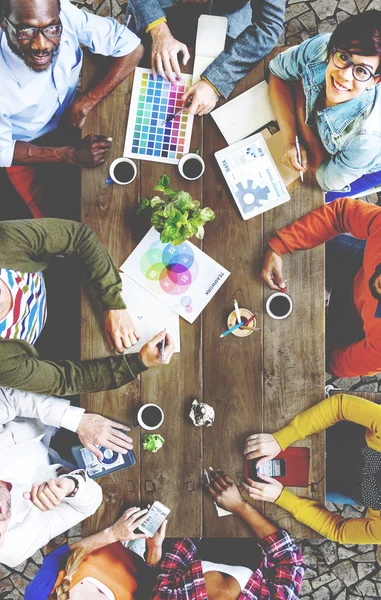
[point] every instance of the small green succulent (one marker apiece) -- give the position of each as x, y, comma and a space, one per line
175, 215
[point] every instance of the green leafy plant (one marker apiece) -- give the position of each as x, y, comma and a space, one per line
152, 442
175, 215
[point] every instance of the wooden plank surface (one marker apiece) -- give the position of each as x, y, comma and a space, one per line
109, 210
232, 365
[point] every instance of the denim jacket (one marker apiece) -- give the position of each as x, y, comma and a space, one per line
350, 131
256, 38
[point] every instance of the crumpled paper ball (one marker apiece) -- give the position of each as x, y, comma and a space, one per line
202, 414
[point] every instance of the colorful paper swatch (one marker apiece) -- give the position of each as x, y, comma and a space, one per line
148, 137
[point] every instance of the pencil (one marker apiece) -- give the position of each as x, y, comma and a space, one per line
237, 313
236, 327
162, 348
299, 156
251, 328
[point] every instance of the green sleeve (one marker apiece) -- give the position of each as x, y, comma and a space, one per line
27, 245
21, 368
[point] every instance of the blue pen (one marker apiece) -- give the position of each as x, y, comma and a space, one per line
162, 348
237, 326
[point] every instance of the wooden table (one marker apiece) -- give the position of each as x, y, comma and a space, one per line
255, 384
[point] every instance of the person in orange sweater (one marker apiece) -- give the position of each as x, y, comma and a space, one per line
353, 270
353, 464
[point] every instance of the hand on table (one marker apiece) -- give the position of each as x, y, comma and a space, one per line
204, 98
268, 491
290, 158
76, 113
150, 353
89, 152
49, 494
262, 446
123, 529
271, 271
120, 330
95, 429
224, 491
164, 51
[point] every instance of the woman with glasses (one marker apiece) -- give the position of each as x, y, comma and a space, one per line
325, 94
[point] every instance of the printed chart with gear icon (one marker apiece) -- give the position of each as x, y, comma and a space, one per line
182, 277
251, 196
171, 269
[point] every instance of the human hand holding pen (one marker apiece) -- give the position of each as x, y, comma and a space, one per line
292, 161
151, 351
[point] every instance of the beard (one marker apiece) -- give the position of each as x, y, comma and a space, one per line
24, 54
5, 504
372, 287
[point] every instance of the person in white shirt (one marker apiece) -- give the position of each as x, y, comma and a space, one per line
40, 65
36, 503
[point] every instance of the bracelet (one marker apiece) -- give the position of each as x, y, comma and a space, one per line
72, 495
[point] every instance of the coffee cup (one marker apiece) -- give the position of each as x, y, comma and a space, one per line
122, 171
191, 166
150, 416
279, 305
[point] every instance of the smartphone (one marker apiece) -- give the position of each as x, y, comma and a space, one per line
271, 468
154, 519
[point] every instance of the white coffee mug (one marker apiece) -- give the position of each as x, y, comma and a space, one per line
117, 161
140, 419
184, 159
281, 295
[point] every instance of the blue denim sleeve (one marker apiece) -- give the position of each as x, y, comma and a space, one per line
146, 12
359, 156
291, 64
253, 44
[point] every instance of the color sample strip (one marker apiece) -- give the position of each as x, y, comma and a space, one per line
152, 102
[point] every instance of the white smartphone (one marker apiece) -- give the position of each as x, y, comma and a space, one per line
155, 517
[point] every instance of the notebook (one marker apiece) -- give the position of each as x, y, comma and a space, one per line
251, 112
210, 42
252, 176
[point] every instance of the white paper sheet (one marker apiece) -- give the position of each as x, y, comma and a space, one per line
150, 315
182, 277
210, 42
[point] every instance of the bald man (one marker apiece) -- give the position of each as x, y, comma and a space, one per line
40, 65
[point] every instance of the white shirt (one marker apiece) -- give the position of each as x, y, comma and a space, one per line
31, 103
241, 574
24, 460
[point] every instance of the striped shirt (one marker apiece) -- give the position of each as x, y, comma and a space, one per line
27, 316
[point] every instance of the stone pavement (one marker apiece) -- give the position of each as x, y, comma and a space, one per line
303, 19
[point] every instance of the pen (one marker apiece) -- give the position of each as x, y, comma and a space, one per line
283, 286
162, 348
299, 155
237, 326
187, 105
237, 313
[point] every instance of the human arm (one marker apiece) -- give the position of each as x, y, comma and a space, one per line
361, 358
315, 515
272, 270
164, 53
146, 13
253, 44
38, 527
345, 215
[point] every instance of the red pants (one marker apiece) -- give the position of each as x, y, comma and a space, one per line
28, 183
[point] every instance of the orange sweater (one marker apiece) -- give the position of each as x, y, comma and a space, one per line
114, 566
363, 221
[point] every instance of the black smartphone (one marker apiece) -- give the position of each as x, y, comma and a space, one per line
272, 468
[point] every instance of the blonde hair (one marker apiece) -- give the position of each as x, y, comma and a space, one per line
74, 560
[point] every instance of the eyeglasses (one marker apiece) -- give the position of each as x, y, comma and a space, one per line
29, 33
341, 60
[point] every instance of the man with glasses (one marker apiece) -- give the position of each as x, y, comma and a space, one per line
326, 91
40, 65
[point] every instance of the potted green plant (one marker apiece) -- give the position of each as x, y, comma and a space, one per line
175, 215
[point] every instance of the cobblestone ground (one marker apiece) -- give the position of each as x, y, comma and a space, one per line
341, 572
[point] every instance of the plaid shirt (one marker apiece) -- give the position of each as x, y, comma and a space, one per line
279, 576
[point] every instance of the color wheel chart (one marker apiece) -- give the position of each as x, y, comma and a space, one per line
152, 102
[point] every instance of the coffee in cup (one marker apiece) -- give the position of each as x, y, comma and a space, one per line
191, 166
279, 305
150, 416
122, 171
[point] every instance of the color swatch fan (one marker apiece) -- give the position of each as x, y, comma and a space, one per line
148, 137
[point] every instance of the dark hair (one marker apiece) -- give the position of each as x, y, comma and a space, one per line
5, 8
360, 34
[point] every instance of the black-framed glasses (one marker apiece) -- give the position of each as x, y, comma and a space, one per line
342, 60
50, 32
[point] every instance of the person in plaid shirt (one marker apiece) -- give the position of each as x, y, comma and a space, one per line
184, 577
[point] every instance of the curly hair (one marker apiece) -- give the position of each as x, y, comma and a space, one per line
74, 560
